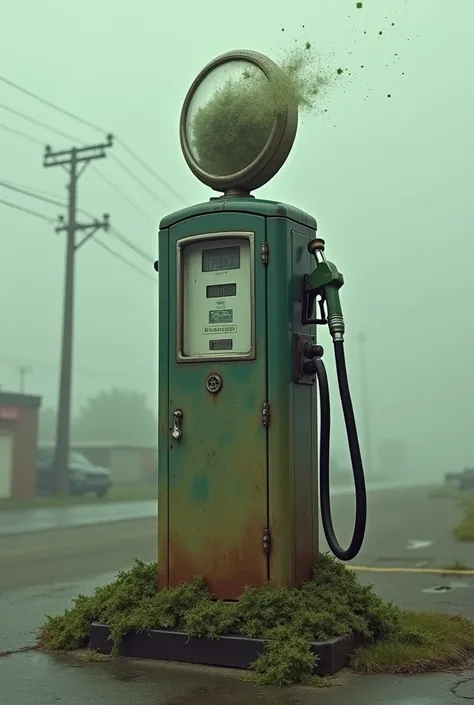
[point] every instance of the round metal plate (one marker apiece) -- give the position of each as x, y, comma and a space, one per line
256, 133
214, 383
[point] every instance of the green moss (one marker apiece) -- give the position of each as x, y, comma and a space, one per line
333, 603
230, 130
464, 531
428, 641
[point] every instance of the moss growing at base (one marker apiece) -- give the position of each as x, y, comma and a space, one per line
333, 603
231, 129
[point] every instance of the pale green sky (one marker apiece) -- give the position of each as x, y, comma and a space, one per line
389, 180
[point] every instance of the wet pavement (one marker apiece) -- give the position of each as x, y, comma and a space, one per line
13, 522
27, 521
30, 564
35, 679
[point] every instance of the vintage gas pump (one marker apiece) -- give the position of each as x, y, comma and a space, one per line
238, 369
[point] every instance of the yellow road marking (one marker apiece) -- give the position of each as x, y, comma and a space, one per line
433, 571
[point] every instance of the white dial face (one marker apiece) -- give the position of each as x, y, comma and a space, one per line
217, 298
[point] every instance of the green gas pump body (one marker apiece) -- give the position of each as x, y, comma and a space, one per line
238, 482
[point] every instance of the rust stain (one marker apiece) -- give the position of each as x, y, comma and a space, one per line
227, 569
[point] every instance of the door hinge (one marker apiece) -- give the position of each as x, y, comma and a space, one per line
266, 541
265, 252
266, 413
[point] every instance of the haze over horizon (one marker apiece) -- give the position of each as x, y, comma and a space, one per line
389, 180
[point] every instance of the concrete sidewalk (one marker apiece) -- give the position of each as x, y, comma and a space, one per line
33, 678
27, 521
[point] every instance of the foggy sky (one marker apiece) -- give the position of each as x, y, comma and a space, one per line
389, 180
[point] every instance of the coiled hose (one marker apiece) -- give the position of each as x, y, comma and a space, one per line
360, 520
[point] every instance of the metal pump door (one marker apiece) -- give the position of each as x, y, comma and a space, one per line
217, 500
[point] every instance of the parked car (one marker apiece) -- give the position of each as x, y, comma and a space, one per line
84, 476
466, 479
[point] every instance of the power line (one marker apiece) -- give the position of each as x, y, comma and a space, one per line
121, 257
62, 204
80, 370
123, 166
27, 210
32, 189
21, 134
151, 171
139, 181
51, 105
130, 244
91, 125
122, 194
31, 194
34, 121
53, 221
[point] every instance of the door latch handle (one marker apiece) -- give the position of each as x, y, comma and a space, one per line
177, 431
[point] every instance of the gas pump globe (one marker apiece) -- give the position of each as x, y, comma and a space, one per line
238, 122
240, 365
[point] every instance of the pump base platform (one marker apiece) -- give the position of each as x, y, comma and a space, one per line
225, 652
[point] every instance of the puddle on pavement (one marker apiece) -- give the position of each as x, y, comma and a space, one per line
464, 689
402, 562
448, 587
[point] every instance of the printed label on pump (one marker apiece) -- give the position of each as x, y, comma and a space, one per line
209, 330
225, 315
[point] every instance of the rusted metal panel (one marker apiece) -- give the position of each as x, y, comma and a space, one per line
293, 493
217, 470
304, 441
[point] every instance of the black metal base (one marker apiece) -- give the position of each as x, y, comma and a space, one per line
226, 652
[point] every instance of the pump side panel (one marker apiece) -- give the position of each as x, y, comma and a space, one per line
217, 471
293, 490
304, 411
280, 438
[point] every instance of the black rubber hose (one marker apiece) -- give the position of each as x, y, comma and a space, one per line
360, 520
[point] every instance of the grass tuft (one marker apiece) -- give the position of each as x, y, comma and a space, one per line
429, 641
332, 603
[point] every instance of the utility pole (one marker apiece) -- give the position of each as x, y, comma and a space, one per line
23, 371
71, 160
368, 451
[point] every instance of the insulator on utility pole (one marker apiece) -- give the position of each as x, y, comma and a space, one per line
75, 160
23, 371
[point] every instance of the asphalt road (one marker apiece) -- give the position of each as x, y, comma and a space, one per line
40, 574
27, 521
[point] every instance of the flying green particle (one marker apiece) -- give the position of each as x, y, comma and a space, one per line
339, 71
380, 32
389, 95
308, 45
359, 5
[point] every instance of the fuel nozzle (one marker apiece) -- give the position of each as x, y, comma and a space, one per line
324, 282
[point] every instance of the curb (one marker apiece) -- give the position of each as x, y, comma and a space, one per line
225, 652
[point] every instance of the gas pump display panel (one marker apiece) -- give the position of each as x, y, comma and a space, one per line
215, 297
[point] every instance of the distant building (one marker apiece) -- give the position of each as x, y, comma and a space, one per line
129, 463
18, 439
